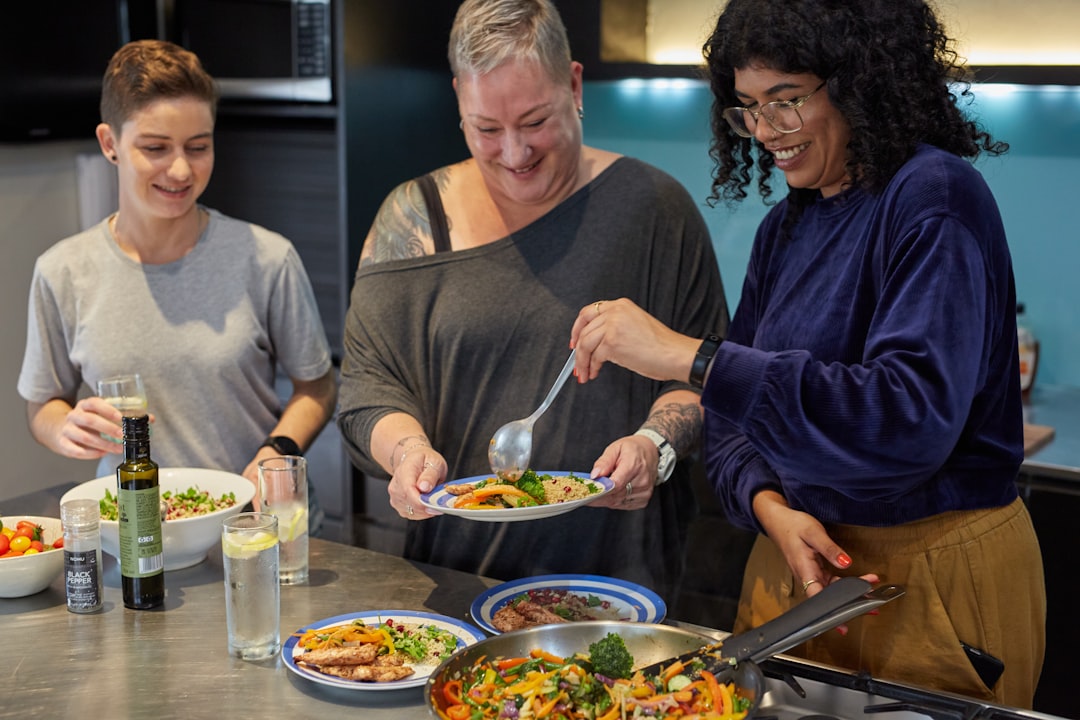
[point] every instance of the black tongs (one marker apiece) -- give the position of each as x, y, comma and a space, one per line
840, 601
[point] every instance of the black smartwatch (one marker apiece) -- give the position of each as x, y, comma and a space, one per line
704, 356
283, 445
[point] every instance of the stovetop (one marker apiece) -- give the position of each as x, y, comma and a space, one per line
801, 690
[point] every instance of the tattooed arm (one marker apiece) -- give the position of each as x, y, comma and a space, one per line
402, 227
632, 462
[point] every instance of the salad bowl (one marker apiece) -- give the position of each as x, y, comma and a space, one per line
186, 540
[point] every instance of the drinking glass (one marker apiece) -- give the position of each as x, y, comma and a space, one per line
249, 548
125, 393
283, 492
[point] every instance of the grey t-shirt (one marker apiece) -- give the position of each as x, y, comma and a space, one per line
465, 341
205, 332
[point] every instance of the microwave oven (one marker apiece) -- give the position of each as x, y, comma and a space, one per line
276, 50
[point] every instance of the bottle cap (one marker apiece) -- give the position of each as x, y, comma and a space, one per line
136, 427
83, 513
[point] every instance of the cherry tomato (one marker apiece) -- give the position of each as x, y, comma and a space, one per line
20, 543
11, 553
31, 551
24, 532
5, 543
58, 542
33, 530
37, 545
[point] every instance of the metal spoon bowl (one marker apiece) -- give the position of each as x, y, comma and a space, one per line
510, 449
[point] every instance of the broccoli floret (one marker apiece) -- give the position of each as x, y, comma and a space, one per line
530, 483
610, 657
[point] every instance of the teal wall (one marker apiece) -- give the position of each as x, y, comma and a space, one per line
665, 122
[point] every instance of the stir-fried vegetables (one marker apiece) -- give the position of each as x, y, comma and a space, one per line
420, 643
545, 686
189, 503
529, 490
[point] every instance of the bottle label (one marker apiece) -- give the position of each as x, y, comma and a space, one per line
82, 579
141, 550
1027, 366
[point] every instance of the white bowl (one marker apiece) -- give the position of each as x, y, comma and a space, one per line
186, 540
29, 574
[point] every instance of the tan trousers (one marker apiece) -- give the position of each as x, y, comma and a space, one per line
972, 576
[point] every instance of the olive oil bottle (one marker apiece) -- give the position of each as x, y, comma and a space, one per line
142, 561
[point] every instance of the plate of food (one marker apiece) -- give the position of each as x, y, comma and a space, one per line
536, 494
553, 599
377, 650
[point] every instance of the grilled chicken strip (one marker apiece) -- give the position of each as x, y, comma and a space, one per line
371, 673
538, 614
353, 655
461, 489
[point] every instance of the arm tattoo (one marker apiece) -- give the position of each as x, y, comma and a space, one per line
402, 227
680, 423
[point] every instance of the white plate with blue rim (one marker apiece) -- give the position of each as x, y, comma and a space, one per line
292, 651
443, 500
610, 598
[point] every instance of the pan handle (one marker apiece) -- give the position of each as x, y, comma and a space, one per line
873, 599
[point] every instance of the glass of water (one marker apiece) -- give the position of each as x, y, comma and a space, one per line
249, 548
283, 492
125, 393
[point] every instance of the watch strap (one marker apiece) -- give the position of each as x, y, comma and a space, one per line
705, 353
668, 457
283, 444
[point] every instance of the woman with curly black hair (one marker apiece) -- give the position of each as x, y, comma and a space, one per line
863, 413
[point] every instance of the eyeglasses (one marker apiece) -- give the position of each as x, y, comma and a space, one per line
782, 115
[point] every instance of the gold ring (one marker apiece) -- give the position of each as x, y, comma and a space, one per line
629, 490
429, 464
808, 583
409, 510
597, 306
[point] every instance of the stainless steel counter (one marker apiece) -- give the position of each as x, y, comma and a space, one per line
172, 663
1058, 407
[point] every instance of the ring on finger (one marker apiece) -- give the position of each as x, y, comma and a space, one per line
597, 306
808, 583
629, 489
429, 464
409, 509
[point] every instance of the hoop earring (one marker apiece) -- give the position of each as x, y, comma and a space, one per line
580, 113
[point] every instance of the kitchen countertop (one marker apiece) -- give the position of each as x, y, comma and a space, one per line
173, 662
1057, 407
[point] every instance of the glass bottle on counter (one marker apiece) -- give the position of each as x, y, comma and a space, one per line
142, 560
1028, 347
82, 555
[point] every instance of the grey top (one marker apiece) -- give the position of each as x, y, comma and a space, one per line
465, 341
205, 332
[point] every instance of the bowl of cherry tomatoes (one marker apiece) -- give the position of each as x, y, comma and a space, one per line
32, 557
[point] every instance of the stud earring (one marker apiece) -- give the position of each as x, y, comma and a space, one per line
113, 157
581, 113
461, 125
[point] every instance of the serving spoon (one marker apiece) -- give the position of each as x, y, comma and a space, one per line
510, 448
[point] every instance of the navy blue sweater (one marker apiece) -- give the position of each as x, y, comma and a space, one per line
870, 373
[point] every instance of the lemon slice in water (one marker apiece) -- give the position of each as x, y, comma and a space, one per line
241, 546
288, 532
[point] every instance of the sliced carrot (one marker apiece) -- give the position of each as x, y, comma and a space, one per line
497, 489
510, 663
672, 670
547, 657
